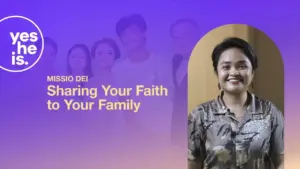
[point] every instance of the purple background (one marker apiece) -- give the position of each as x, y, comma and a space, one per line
34, 138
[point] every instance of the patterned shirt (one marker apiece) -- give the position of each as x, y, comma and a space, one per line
217, 140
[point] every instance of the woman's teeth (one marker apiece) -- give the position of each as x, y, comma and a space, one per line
234, 80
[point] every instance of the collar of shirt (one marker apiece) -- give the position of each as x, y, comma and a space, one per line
251, 105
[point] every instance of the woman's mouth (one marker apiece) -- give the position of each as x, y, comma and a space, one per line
235, 81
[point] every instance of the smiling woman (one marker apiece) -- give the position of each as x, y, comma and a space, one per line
234, 63
237, 129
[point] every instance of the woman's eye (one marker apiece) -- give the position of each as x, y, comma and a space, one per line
226, 67
243, 66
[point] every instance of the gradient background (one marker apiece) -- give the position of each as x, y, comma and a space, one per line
33, 138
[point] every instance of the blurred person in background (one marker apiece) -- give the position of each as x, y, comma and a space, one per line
142, 67
46, 64
185, 35
105, 53
33, 81
79, 62
104, 123
237, 129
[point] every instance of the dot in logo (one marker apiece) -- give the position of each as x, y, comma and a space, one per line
22, 43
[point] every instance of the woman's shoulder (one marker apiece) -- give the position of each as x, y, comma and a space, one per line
266, 106
204, 108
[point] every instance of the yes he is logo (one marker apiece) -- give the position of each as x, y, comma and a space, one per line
20, 39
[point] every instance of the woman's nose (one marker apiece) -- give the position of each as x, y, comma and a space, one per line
234, 72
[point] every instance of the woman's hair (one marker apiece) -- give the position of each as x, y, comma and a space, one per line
127, 21
238, 43
88, 67
109, 41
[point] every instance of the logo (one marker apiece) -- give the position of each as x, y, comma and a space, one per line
22, 43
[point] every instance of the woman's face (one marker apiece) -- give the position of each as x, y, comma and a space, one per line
234, 71
104, 56
77, 60
132, 38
